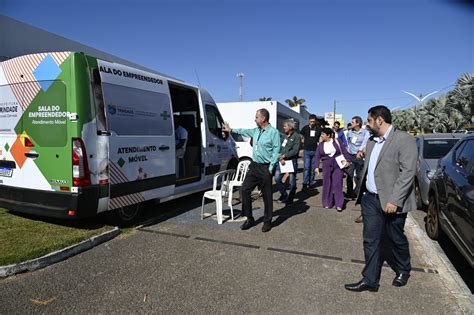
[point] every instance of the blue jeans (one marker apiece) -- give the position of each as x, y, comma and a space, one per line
282, 187
309, 166
376, 224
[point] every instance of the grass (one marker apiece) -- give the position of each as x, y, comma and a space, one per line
25, 237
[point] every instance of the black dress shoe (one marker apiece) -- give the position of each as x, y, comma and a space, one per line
267, 226
248, 224
360, 286
401, 279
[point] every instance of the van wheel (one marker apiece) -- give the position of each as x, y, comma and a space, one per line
125, 216
432, 225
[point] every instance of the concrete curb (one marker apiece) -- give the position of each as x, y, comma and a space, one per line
436, 257
59, 255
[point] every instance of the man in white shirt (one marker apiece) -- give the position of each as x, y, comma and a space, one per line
181, 137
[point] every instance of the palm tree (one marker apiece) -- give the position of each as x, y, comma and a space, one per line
295, 101
403, 119
462, 97
264, 99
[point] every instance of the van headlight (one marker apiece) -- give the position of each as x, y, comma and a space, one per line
430, 174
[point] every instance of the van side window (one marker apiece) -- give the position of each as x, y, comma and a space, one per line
99, 101
214, 121
137, 112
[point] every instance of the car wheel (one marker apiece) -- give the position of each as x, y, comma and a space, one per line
432, 225
419, 201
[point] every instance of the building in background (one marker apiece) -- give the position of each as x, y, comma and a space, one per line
329, 117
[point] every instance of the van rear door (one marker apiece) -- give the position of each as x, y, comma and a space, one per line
33, 120
141, 144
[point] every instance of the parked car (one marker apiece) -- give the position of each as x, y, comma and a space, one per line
431, 147
451, 198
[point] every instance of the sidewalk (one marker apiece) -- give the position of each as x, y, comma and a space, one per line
308, 256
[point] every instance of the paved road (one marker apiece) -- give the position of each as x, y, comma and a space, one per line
178, 263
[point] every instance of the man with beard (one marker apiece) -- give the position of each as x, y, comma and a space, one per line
386, 195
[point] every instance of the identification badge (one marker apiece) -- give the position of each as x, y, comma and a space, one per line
312, 133
354, 140
284, 143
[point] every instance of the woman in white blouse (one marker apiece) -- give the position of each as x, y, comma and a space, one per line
329, 151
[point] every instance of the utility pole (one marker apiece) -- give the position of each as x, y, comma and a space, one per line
240, 75
334, 114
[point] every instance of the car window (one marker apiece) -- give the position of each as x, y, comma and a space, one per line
465, 158
437, 148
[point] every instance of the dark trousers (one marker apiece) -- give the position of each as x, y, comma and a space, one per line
356, 167
376, 223
258, 175
281, 187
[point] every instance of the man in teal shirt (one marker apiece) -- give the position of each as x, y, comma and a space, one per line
266, 151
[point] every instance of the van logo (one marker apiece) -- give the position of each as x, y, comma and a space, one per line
112, 109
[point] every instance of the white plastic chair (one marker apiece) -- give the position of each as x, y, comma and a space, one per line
220, 189
237, 181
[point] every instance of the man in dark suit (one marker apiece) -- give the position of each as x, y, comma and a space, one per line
386, 196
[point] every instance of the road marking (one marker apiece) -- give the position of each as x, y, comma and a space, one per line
45, 302
164, 233
304, 253
226, 242
281, 250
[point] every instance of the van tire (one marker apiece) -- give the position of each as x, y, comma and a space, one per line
125, 216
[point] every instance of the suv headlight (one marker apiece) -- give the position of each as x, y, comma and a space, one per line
430, 174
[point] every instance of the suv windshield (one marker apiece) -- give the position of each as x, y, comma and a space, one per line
437, 148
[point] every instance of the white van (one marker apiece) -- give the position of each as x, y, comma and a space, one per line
80, 136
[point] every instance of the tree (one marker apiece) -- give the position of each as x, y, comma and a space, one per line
263, 99
462, 97
295, 101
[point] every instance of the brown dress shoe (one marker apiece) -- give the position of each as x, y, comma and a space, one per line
358, 220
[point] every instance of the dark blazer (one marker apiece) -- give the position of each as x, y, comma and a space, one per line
394, 172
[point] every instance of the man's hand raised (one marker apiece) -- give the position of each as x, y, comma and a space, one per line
226, 127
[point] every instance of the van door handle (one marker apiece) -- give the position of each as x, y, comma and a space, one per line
211, 145
163, 148
32, 155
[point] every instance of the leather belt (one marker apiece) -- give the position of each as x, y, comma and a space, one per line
372, 194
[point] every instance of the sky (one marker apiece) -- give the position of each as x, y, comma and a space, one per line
358, 53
